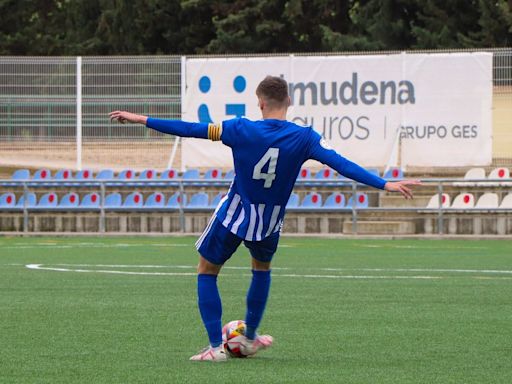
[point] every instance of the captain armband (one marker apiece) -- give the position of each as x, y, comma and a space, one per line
214, 131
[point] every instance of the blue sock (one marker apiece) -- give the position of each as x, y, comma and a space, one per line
210, 307
256, 301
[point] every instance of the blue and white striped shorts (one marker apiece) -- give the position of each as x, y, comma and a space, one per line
217, 244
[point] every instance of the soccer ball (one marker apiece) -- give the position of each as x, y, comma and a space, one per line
232, 333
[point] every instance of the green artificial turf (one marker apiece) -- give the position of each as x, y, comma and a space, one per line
341, 311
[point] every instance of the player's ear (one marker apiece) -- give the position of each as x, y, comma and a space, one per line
288, 102
261, 103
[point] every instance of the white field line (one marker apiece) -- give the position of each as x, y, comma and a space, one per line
485, 271
40, 267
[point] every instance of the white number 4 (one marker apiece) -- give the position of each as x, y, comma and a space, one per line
269, 157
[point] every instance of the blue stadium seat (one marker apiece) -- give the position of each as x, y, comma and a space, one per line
127, 174
335, 200
198, 200
31, 200
7, 200
374, 171
21, 174
213, 174
324, 174
42, 174
48, 200
63, 174
91, 200
394, 173
293, 201
216, 199
304, 174
174, 200
155, 200
169, 174
133, 200
69, 200
361, 200
191, 174
230, 175
148, 174
312, 200
113, 200
105, 174
84, 174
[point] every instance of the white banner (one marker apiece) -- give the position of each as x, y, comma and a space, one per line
404, 109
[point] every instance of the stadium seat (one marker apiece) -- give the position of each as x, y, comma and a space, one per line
463, 201
198, 200
105, 174
48, 200
31, 200
113, 200
155, 200
63, 174
472, 174
304, 174
507, 202
42, 174
335, 200
21, 174
324, 174
230, 175
84, 174
213, 174
7, 200
216, 199
133, 200
91, 200
374, 171
169, 174
501, 174
394, 173
191, 174
69, 200
433, 203
312, 200
148, 174
175, 200
361, 200
293, 201
127, 174
487, 201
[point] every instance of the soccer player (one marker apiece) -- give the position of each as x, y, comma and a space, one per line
268, 155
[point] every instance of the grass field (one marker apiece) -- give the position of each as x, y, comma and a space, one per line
341, 311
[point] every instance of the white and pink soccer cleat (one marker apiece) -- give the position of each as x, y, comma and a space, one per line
209, 353
250, 347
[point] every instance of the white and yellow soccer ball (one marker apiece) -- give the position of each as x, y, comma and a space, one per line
232, 334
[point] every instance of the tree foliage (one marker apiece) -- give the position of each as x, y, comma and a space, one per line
102, 27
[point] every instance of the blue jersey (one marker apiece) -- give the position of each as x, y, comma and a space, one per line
268, 155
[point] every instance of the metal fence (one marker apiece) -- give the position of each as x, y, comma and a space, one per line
53, 111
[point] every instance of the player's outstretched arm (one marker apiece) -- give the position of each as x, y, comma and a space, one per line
171, 127
402, 186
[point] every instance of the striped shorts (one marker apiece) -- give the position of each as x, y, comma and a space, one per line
217, 244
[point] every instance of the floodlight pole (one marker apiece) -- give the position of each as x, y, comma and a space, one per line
79, 113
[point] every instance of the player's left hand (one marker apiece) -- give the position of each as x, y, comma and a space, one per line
402, 186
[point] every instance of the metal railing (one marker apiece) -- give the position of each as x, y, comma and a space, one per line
181, 185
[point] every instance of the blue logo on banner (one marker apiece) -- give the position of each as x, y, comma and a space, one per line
236, 110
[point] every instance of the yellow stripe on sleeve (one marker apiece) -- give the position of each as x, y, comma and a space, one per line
214, 131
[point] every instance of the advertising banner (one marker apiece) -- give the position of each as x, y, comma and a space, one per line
403, 109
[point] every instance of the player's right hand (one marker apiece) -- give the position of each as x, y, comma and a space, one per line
127, 117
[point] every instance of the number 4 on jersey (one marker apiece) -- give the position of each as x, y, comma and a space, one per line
269, 157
